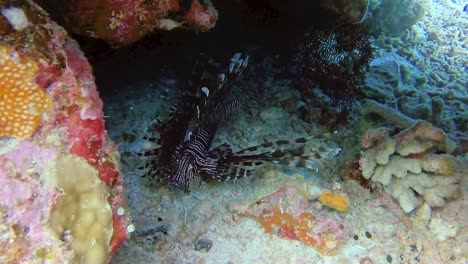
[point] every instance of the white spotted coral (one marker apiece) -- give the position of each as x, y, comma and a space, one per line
22, 101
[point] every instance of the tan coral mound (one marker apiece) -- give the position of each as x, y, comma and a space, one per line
82, 213
415, 165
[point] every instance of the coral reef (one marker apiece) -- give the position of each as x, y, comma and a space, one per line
419, 159
391, 17
425, 72
394, 81
121, 23
62, 196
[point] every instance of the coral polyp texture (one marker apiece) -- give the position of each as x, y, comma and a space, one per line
390, 17
123, 22
22, 101
414, 166
60, 185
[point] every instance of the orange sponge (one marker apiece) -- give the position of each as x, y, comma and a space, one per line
21, 100
333, 200
302, 228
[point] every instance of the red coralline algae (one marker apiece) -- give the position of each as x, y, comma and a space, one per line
71, 139
286, 213
201, 17
123, 22
366, 260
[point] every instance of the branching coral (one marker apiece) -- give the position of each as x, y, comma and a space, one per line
414, 166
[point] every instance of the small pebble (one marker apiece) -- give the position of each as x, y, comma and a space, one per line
120, 211
356, 237
203, 244
389, 259
368, 235
330, 244
130, 228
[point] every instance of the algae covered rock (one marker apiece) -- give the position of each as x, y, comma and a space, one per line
60, 184
121, 23
390, 17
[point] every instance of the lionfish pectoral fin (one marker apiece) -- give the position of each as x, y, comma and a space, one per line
292, 153
298, 162
151, 152
221, 152
274, 146
151, 138
231, 172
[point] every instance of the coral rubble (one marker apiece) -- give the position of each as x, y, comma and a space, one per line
61, 190
419, 158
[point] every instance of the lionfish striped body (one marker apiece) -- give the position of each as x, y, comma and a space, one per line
185, 139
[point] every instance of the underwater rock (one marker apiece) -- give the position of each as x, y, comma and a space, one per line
121, 23
62, 197
391, 17
419, 158
381, 79
272, 113
203, 245
398, 119
353, 11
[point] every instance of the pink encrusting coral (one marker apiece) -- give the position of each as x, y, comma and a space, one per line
123, 22
61, 188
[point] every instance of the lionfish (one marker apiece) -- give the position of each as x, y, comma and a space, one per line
184, 143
